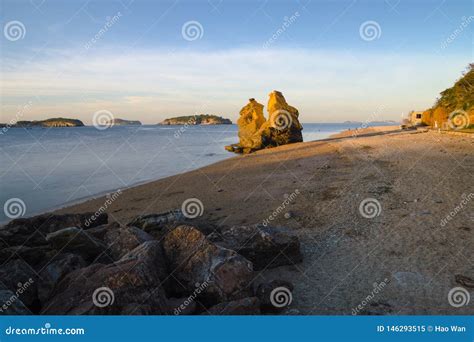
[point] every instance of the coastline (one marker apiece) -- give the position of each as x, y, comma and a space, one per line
313, 135
411, 174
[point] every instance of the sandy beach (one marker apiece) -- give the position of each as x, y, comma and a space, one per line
408, 250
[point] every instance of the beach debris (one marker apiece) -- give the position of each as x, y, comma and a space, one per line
265, 246
196, 260
255, 133
245, 306
130, 285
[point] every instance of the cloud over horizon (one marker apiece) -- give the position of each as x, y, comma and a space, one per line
152, 84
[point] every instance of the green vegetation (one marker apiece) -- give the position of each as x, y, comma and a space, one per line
461, 95
202, 119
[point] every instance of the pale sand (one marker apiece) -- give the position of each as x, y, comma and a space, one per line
418, 178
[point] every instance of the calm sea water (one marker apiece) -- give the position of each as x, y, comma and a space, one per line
47, 168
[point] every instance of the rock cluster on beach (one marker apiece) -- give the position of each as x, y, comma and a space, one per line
157, 264
255, 132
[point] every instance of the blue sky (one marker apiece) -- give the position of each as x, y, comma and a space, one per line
141, 66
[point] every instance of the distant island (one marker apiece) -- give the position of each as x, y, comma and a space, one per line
53, 122
202, 119
123, 122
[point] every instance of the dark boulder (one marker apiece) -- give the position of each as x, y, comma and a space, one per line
10, 304
78, 241
18, 277
55, 270
130, 286
193, 259
31, 231
158, 225
265, 246
121, 240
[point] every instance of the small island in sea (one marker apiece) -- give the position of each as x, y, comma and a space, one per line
201, 119
123, 122
53, 122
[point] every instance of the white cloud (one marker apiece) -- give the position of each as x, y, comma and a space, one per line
148, 85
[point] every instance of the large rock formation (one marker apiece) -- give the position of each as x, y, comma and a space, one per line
282, 126
250, 121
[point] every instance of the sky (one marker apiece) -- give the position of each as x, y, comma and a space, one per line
148, 60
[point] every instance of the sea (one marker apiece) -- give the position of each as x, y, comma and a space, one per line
46, 168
